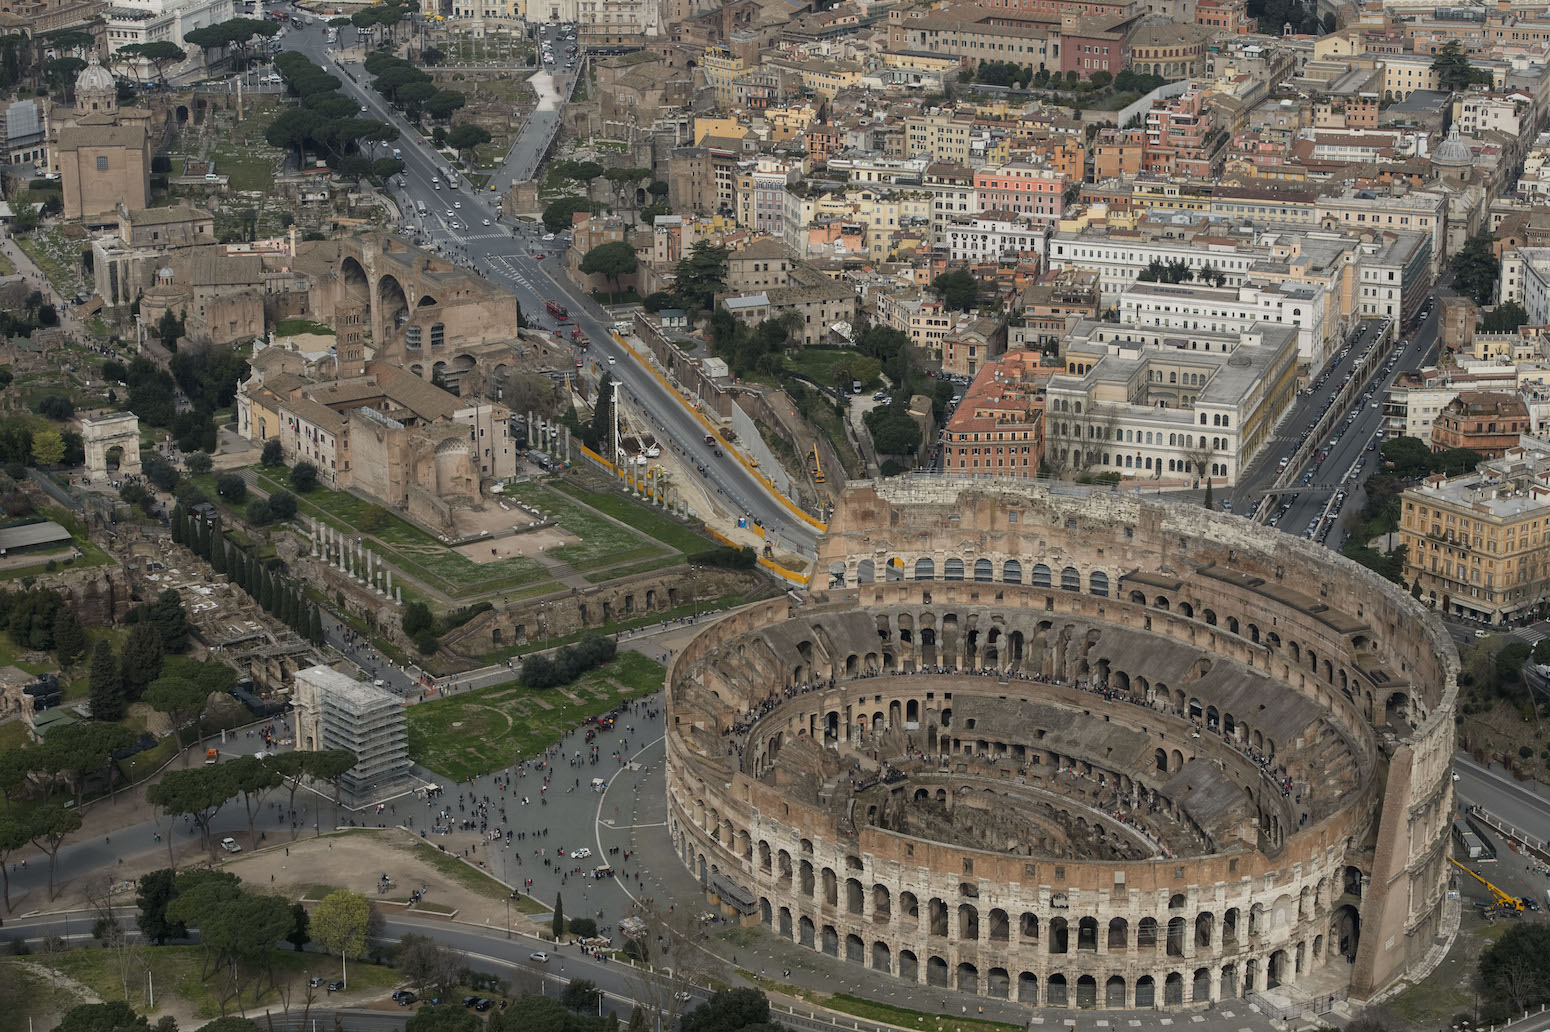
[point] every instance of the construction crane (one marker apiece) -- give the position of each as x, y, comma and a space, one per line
1503, 900
817, 467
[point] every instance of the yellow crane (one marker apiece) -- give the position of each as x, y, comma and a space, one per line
817, 467
1503, 900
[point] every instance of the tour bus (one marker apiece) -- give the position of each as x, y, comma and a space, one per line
422, 209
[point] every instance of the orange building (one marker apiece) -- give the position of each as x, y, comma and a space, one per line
998, 428
1482, 421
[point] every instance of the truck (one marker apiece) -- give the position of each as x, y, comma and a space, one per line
398, 153
559, 311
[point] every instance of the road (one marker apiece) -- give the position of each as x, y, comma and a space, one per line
509, 254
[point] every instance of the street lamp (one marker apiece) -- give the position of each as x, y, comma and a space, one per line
508, 892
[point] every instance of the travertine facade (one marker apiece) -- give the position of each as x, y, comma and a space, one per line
1074, 750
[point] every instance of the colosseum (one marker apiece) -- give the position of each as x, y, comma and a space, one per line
1074, 749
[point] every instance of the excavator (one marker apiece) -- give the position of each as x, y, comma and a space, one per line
1503, 901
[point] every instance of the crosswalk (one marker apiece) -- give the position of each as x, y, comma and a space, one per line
1534, 633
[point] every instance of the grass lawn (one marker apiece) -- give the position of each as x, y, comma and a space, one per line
7, 267
639, 620
652, 522
470, 878
175, 973
822, 364
14, 735
492, 728
291, 327
616, 573
603, 542
408, 548
32, 1000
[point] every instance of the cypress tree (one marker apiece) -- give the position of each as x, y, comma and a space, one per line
218, 555
179, 524
558, 925
266, 590
203, 541
315, 627
69, 639
106, 687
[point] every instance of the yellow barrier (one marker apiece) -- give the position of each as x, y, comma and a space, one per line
711, 429
780, 571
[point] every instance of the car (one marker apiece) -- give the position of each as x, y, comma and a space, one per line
316, 983
457, 204
540, 957
230, 845
486, 222
449, 213
548, 236
404, 998
539, 256
581, 854
1529, 902
363, 109
610, 360
483, 1005
1482, 634
469, 1001
336, 986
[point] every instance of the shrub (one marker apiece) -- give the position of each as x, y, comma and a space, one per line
304, 476
282, 505
232, 488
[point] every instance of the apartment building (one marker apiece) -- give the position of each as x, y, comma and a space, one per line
1485, 422
1479, 544
1021, 188
1230, 310
998, 428
1182, 137
1152, 409
761, 193
994, 235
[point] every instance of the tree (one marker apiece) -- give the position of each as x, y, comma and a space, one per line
281, 505
141, 660
1516, 968
199, 463
699, 276
15, 833
101, 1017
272, 455
231, 487
331, 765
1510, 660
601, 432
171, 622
557, 926
558, 214
958, 289
1454, 72
69, 639
301, 923
154, 892
182, 700
339, 925
253, 779
106, 687
579, 994
443, 103
464, 138
48, 828
1476, 268
48, 447
729, 1010
197, 793
613, 259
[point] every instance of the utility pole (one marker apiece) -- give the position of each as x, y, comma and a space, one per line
613, 419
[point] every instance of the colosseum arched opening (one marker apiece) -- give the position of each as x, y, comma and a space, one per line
1062, 759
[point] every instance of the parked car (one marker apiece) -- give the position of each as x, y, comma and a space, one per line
336, 986
230, 845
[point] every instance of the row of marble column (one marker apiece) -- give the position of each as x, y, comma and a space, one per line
548, 435
353, 559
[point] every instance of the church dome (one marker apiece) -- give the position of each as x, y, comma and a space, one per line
95, 79
1453, 151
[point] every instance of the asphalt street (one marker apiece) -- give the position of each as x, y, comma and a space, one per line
509, 254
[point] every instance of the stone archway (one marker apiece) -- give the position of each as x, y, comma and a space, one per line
100, 434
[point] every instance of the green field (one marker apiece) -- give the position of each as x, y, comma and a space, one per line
823, 365
652, 522
175, 973
476, 732
603, 542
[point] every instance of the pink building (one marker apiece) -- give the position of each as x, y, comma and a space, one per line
1021, 188
1182, 137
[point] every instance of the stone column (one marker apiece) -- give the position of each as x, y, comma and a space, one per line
389, 579
314, 538
399, 597
566, 442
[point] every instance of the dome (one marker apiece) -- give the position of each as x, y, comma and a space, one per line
94, 78
1453, 150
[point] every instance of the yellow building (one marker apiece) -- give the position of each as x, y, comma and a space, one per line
944, 137
789, 122
1479, 544
722, 68
726, 128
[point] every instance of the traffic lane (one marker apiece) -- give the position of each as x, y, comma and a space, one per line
1511, 801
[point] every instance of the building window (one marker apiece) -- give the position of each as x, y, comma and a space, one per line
102, 163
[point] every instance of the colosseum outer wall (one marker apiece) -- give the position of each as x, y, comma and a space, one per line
1322, 627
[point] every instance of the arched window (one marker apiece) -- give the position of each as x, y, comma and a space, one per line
1012, 572
984, 570
1098, 583
925, 569
1041, 577
1070, 579
953, 570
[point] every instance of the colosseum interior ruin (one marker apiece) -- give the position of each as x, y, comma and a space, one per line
1075, 750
